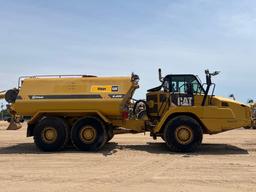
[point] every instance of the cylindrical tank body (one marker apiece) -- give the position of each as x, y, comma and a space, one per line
106, 95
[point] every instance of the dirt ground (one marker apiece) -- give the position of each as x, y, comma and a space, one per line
226, 162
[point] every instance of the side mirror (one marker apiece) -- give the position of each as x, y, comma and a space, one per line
215, 73
209, 76
207, 72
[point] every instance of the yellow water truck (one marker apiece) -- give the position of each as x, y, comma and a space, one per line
90, 110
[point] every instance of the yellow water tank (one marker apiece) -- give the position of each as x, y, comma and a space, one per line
108, 95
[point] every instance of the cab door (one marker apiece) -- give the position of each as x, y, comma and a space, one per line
183, 89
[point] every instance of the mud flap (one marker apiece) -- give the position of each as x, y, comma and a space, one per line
14, 126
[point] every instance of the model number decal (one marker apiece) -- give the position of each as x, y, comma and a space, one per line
116, 96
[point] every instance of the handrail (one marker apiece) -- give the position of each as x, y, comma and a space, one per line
51, 76
213, 90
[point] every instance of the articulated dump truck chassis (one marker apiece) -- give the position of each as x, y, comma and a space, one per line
88, 111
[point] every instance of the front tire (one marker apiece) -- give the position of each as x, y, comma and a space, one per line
183, 134
51, 134
88, 134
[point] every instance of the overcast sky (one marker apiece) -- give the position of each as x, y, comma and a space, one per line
117, 37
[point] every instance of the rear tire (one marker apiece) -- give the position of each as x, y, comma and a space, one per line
51, 134
89, 134
183, 134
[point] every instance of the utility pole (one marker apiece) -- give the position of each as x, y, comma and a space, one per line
2, 112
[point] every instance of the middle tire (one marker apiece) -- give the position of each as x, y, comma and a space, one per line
88, 134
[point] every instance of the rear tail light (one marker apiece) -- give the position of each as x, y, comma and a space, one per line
125, 115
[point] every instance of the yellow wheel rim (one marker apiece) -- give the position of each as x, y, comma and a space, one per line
49, 135
88, 134
184, 135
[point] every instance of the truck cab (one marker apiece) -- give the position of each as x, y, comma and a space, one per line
183, 98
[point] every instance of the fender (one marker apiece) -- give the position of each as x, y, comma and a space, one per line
202, 114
